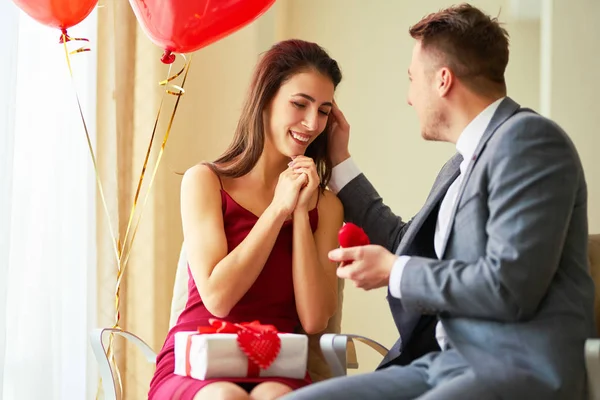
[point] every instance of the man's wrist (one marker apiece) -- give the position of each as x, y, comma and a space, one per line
340, 158
396, 276
342, 174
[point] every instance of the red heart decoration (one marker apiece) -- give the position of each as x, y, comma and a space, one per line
351, 235
260, 348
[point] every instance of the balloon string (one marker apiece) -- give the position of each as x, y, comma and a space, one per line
179, 93
147, 157
90, 147
65, 38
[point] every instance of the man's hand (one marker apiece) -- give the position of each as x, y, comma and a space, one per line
369, 267
339, 136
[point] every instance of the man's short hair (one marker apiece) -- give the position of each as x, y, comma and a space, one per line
472, 44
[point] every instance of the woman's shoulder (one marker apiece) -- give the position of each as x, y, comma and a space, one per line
330, 203
201, 177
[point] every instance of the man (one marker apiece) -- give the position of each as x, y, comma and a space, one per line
494, 266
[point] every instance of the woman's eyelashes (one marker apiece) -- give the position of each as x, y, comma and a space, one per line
298, 105
302, 106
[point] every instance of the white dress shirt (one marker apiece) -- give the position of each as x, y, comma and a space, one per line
466, 144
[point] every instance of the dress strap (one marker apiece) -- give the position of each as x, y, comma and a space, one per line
214, 169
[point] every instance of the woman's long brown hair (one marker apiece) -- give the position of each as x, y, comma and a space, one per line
277, 65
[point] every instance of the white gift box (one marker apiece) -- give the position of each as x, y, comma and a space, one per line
217, 355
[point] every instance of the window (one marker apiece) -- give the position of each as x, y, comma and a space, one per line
47, 213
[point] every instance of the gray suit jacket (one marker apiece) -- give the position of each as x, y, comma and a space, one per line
512, 289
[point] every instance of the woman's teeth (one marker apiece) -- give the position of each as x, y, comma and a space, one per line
301, 138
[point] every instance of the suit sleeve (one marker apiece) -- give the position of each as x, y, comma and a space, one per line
364, 207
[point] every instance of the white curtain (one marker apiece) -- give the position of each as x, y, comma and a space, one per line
47, 213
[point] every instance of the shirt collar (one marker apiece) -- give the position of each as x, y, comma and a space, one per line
469, 138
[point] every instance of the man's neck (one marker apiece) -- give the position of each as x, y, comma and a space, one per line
465, 112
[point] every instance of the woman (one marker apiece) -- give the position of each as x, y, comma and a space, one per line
243, 214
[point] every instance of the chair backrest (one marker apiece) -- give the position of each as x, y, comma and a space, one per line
317, 366
594, 255
180, 288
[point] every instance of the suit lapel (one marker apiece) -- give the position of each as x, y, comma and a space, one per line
506, 109
407, 321
443, 181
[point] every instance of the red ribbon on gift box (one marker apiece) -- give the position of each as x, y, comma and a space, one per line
260, 343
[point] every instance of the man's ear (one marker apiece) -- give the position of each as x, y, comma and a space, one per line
444, 81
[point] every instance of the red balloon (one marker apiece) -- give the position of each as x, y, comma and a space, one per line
351, 235
61, 14
184, 26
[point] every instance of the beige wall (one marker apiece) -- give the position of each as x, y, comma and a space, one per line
371, 43
571, 85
